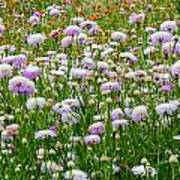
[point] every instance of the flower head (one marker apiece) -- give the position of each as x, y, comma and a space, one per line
35, 39
118, 36
96, 128
32, 72
160, 37
72, 30
136, 18
139, 113
169, 26
5, 70
92, 139
21, 85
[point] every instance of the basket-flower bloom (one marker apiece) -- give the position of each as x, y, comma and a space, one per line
21, 86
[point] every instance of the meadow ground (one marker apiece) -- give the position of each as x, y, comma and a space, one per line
90, 90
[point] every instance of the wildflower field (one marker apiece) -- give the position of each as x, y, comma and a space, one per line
89, 89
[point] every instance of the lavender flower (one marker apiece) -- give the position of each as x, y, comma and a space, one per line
119, 122
17, 61
171, 48
117, 114
80, 73
32, 72
72, 30
136, 18
88, 24
21, 85
169, 26
110, 87
129, 56
139, 113
73, 103
5, 70
175, 69
118, 36
54, 12
76, 174
160, 37
92, 139
34, 19
2, 28
167, 108
42, 134
36, 39
66, 41
35, 103
96, 128
167, 87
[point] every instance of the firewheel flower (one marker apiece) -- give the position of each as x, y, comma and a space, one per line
21, 86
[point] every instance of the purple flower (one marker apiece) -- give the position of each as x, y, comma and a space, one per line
17, 61
66, 41
117, 114
139, 113
82, 37
88, 24
92, 139
160, 37
63, 110
167, 87
80, 73
2, 28
110, 87
169, 26
21, 85
136, 18
54, 12
94, 30
36, 39
73, 103
88, 63
72, 30
34, 19
32, 72
119, 122
42, 134
167, 108
5, 70
175, 69
118, 36
171, 48
96, 128
129, 56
